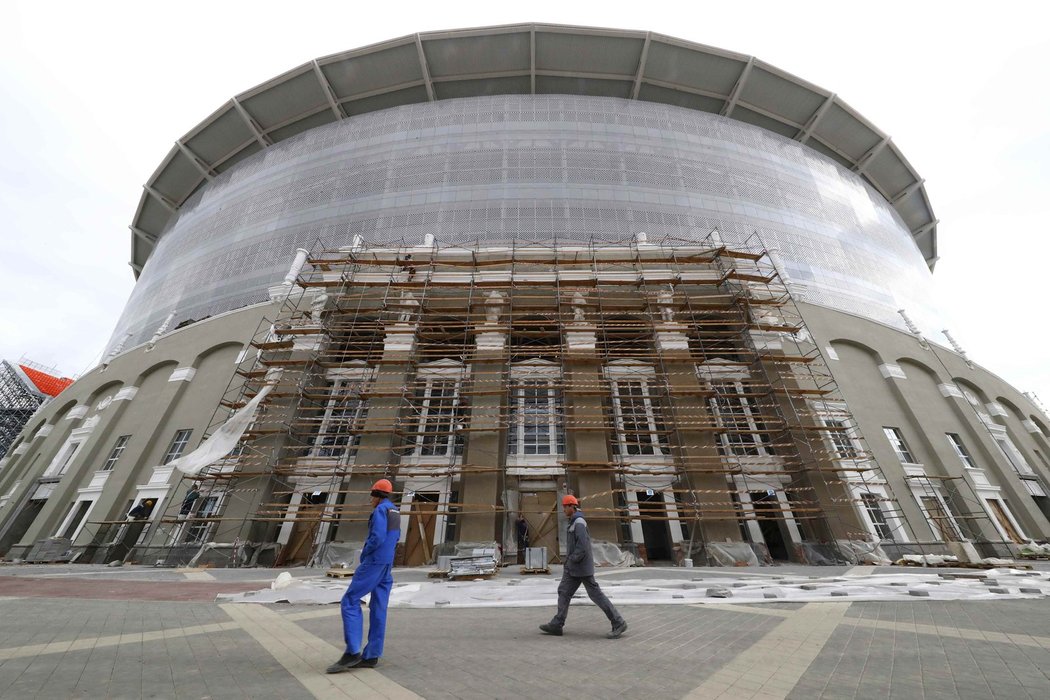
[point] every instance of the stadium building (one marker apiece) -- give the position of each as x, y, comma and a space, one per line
501, 265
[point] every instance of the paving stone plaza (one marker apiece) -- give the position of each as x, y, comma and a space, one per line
136, 632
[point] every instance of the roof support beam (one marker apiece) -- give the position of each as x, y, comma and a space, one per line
206, 170
807, 130
727, 110
148, 237
162, 200
925, 228
329, 93
532, 59
425, 68
865, 160
907, 190
641, 67
256, 130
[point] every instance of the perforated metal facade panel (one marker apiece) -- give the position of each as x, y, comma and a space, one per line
552, 168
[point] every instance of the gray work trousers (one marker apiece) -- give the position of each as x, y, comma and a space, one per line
569, 585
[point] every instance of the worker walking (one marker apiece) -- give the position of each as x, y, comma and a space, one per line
579, 569
374, 574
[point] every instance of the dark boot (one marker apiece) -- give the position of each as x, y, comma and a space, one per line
369, 663
548, 628
617, 630
345, 663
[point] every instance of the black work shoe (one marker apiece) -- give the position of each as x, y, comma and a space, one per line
548, 628
345, 663
369, 663
618, 629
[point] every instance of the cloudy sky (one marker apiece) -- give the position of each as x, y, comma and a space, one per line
92, 96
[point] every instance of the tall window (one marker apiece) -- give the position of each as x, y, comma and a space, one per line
737, 413
873, 507
343, 418
438, 412
639, 418
841, 441
114, 455
178, 444
65, 458
198, 531
535, 419
899, 446
961, 451
1014, 456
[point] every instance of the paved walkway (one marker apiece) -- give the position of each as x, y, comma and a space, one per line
89, 632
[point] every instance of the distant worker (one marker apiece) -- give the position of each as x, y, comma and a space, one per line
521, 527
190, 498
142, 510
373, 575
579, 569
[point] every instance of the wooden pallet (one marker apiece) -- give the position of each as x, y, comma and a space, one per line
965, 565
470, 577
339, 573
545, 570
437, 574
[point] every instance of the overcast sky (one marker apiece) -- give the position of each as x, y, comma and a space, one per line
92, 96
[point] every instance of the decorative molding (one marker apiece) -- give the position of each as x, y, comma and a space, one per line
950, 390
45, 430
890, 370
996, 409
126, 394
182, 374
830, 352
77, 412
1031, 427
21, 449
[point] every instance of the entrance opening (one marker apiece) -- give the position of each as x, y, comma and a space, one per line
541, 512
655, 531
770, 519
21, 524
307, 520
419, 540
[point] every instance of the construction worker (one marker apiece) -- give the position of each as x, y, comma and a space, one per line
579, 569
374, 574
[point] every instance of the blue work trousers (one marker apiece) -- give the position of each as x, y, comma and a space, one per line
376, 579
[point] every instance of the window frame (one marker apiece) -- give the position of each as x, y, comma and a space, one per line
539, 377
900, 447
651, 439
114, 455
447, 374
177, 445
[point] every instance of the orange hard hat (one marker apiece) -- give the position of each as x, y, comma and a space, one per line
383, 485
570, 500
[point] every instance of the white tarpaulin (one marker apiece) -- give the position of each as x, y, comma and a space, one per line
222, 440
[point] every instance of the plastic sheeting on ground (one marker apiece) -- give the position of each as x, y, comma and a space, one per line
720, 589
611, 554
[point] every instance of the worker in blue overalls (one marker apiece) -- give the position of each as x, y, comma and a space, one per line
373, 575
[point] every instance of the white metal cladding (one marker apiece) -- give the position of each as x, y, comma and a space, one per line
550, 169
529, 59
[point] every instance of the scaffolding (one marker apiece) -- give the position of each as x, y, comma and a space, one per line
670, 383
17, 404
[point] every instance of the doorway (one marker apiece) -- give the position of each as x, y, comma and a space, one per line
540, 509
20, 524
307, 520
770, 517
419, 540
656, 534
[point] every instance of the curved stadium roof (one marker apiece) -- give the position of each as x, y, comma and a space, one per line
530, 59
